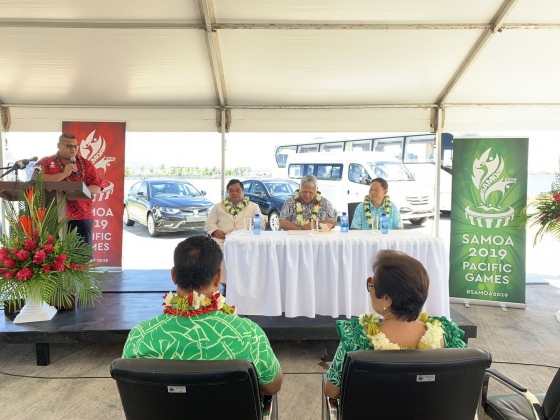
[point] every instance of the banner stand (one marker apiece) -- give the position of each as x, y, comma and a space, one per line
487, 243
503, 305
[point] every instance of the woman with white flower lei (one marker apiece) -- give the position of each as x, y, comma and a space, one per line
374, 204
398, 291
306, 204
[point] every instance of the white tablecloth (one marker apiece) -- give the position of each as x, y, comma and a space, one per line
300, 275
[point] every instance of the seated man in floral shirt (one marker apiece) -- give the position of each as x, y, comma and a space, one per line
197, 324
307, 203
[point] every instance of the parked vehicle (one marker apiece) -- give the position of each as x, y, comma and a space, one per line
345, 178
270, 194
166, 205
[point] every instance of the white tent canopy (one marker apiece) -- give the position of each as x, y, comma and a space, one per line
292, 65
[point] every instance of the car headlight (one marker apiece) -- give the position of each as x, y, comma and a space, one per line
169, 210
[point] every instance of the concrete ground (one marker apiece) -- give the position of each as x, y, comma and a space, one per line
524, 344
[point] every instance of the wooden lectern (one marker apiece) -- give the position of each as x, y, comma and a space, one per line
75, 190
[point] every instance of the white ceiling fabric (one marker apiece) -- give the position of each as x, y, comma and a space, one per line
151, 64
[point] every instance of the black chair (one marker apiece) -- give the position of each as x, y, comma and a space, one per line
180, 389
523, 404
438, 384
351, 211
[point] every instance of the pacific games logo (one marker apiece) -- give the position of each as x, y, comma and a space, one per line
488, 178
93, 149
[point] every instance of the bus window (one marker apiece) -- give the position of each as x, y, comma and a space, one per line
295, 171
308, 148
282, 154
393, 146
390, 171
358, 174
358, 146
419, 149
332, 147
330, 172
310, 169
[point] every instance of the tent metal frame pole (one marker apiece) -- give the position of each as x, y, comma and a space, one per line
223, 171
437, 154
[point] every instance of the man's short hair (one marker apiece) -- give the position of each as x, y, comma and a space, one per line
384, 184
308, 179
197, 259
233, 182
404, 279
66, 136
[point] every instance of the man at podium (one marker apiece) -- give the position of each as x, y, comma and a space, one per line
67, 165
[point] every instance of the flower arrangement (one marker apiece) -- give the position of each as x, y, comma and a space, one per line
546, 213
195, 304
37, 261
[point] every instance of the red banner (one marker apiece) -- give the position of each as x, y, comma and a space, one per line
103, 145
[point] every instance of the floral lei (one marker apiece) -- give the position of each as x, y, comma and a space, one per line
195, 304
367, 208
237, 209
430, 340
299, 208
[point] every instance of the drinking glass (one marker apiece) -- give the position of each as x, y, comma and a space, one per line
314, 227
247, 225
375, 228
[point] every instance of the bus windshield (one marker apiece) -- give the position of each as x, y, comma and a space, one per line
390, 171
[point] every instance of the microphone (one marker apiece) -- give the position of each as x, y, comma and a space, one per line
73, 160
24, 162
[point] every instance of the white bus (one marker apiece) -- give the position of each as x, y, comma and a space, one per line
415, 151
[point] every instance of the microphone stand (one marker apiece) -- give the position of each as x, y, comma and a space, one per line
11, 169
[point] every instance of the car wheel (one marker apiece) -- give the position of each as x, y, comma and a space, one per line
127, 221
152, 226
274, 221
419, 221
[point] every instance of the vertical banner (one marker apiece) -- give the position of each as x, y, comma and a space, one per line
103, 145
487, 258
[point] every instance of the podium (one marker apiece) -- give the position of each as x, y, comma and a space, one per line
74, 190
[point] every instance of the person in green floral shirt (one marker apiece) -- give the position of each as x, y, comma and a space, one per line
398, 290
197, 324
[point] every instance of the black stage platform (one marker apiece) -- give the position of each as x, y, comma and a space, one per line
135, 295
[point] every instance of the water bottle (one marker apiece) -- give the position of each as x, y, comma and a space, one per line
384, 223
344, 222
257, 225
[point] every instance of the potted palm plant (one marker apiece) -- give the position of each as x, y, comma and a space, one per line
40, 263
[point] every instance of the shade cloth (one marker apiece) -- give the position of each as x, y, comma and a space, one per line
300, 275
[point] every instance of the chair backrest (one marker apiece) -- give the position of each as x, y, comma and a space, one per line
155, 388
351, 211
438, 384
551, 403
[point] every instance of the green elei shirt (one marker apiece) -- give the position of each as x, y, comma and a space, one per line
214, 336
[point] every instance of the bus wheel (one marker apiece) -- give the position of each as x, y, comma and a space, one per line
419, 221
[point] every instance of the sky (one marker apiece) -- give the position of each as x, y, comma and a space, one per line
254, 150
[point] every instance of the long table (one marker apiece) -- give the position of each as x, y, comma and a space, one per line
277, 273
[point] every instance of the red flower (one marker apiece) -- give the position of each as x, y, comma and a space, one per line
9, 274
9, 263
41, 213
50, 240
24, 274
4, 253
558, 217
27, 225
30, 245
36, 234
60, 259
29, 194
39, 257
46, 269
555, 195
58, 266
48, 249
22, 255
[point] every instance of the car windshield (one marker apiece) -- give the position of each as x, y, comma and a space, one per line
281, 188
390, 171
173, 189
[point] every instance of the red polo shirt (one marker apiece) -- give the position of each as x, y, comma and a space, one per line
75, 209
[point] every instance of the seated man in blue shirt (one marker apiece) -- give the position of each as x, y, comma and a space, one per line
376, 203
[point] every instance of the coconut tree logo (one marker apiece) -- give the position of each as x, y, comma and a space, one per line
488, 178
